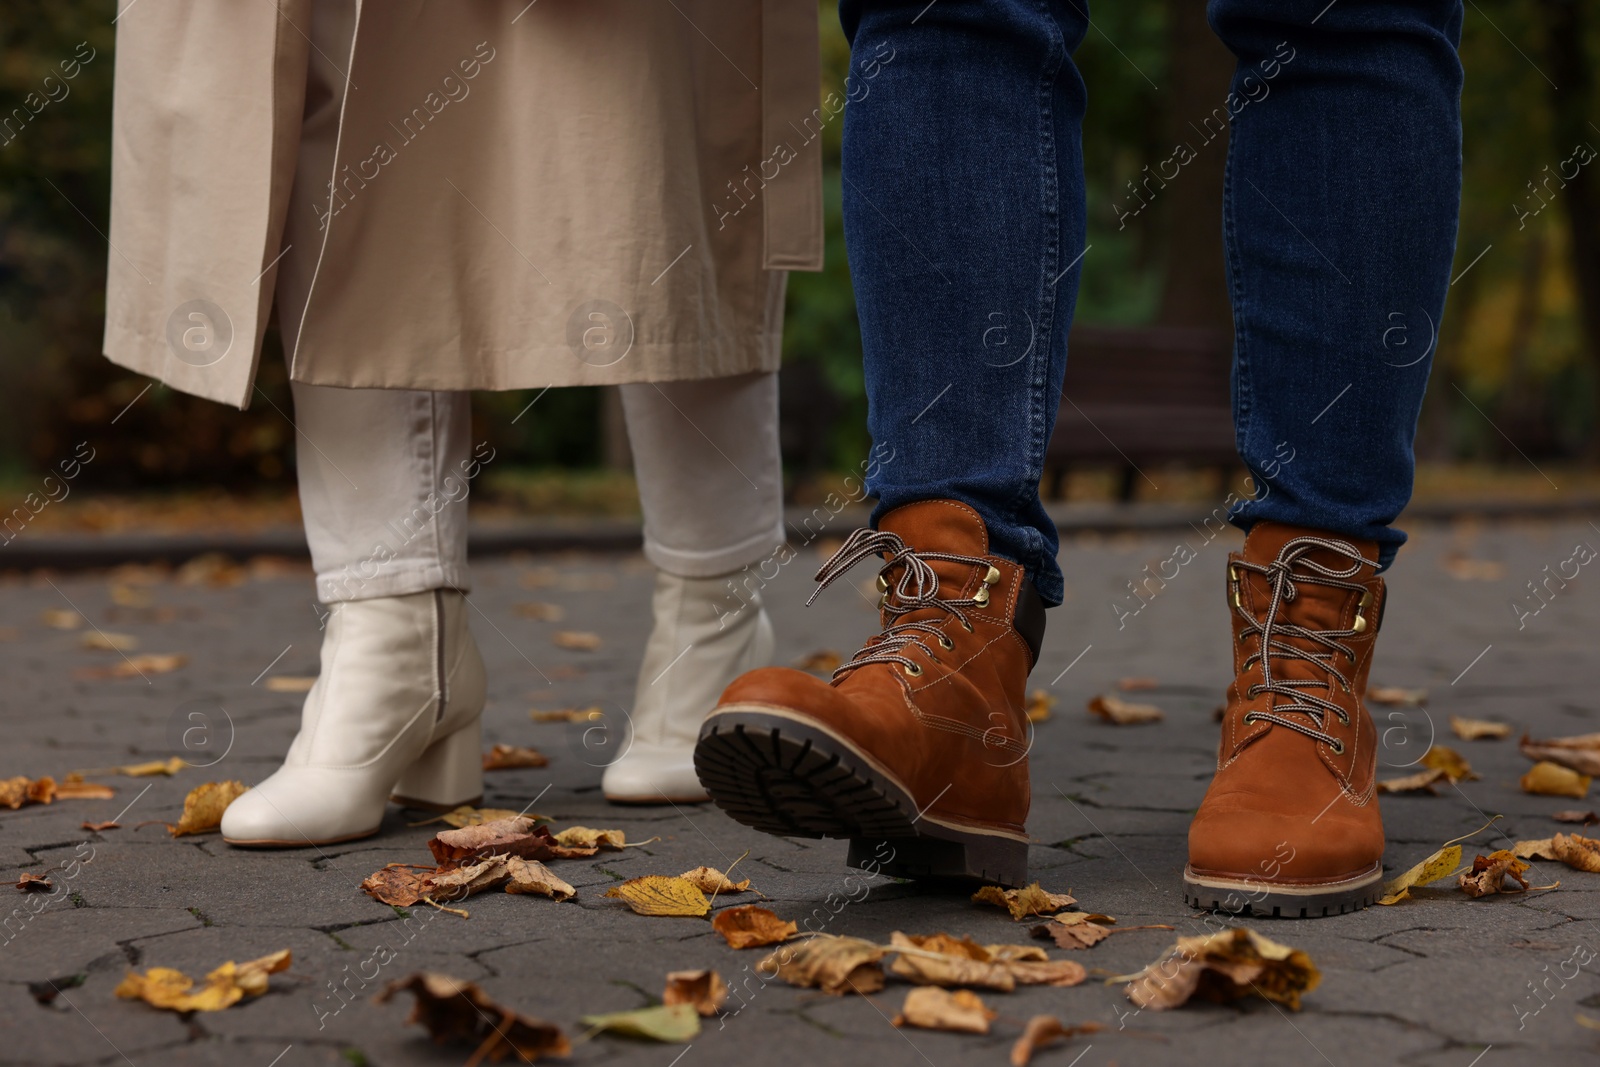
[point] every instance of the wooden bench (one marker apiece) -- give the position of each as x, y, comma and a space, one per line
1139, 396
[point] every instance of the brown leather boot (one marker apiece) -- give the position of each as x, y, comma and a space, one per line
1290, 825
917, 750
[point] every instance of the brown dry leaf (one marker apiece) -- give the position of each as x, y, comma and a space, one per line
1435, 867
503, 757
203, 807
942, 960
1553, 780
291, 683
656, 894
1584, 817
836, 965
211, 568
1421, 782
101, 641
1394, 695
1134, 685
130, 596
1576, 851
33, 883
711, 880
80, 790
136, 666
1122, 713
61, 619
98, 827
592, 713
1048, 972
1225, 966
1465, 569
516, 836
1074, 929
824, 661
531, 876
584, 837
1580, 753
1039, 704
749, 926
932, 1008
1478, 729
705, 991
1489, 873
163, 987
15, 792
576, 640
1022, 903
1043, 1031
1450, 762
453, 1010
399, 884
541, 610
473, 876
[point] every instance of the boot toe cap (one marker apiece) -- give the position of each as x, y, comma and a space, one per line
653, 775
1255, 839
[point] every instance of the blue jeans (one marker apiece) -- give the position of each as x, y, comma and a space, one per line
964, 217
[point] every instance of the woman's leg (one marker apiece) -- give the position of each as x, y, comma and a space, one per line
711, 486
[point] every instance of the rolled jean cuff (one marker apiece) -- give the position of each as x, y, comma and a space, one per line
391, 578
712, 563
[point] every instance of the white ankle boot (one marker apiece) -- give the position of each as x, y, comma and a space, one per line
703, 639
395, 711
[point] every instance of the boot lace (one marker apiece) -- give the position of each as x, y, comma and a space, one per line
916, 589
1292, 568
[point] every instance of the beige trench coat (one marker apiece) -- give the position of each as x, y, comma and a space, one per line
571, 192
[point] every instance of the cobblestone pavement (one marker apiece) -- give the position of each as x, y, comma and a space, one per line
1440, 981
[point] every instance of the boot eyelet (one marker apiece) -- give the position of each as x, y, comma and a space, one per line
965, 625
992, 577
945, 643
911, 669
1249, 718
1338, 747
981, 597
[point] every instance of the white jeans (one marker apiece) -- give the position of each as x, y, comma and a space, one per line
384, 476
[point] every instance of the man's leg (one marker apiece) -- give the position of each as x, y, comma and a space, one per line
1344, 177
963, 194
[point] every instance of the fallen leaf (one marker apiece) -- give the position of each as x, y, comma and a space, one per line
1478, 729
539, 609
948, 961
1464, 569
711, 880
704, 991
503, 757
833, 964
1421, 782
97, 827
453, 1010
1074, 929
1122, 713
516, 836
589, 714
1580, 753
15, 792
211, 568
1039, 704
203, 807
1576, 851
399, 884
584, 837
669, 1023
576, 640
1553, 780
825, 661
291, 683
749, 926
1134, 685
163, 987
1048, 972
467, 815
1584, 817
61, 619
33, 883
81, 790
1394, 695
130, 596
656, 894
473, 876
143, 770
1489, 873
101, 641
1435, 867
1022, 903
1224, 966
1450, 762
932, 1008
531, 876
1043, 1031
136, 666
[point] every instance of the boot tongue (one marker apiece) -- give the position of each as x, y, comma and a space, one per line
938, 526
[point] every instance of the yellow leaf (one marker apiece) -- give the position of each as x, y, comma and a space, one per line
835, 965
576, 640
584, 837
1435, 867
1576, 851
656, 894
1224, 966
163, 987
60, 619
704, 991
749, 926
84, 791
1022, 903
1123, 713
291, 683
504, 757
1388, 694
1039, 704
1553, 780
1450, 762
1478, 729
589, 714
1421, 782
203, 807
1581, 753
932, 1008
142, 770
101, 641
671, 1023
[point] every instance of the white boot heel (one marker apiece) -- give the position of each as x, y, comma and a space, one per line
447, 775
401, 682
704, 637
